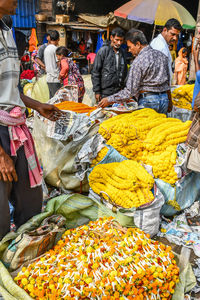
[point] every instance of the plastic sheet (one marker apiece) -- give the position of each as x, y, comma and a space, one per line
185, 193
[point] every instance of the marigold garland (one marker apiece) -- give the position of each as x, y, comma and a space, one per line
182, 96
147, 137
101, 154
76, 107
104, 261
126, 183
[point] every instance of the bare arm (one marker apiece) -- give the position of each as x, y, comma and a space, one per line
48, 111
196, 58
40, 63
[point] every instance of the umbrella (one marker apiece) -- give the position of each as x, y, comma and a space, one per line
156, 11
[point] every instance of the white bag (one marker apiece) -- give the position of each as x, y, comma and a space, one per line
193, 160
147, 217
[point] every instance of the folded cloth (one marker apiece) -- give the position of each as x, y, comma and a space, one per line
21, 136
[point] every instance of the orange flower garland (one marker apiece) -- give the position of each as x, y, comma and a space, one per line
76, 107
103, 261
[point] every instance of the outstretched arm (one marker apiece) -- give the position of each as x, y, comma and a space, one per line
48, 111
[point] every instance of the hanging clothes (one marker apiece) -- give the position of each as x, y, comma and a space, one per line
33, 42
99, 42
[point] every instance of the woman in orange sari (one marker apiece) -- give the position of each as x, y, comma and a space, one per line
181, 66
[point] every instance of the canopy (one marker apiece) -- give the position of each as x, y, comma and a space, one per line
156, 11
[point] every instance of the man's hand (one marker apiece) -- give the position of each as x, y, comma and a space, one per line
170, 105
98, 97
196, 51
49, 111
7, 169
103, 103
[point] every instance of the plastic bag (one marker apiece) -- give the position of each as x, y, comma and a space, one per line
40, 90
180, 113
89, 96
57, 157
183, 195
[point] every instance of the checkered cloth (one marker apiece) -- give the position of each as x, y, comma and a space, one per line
193, 138
21, 136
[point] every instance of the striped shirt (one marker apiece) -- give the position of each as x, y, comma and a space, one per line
9, 70
149, 72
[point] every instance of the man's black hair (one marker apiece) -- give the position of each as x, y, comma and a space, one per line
173, 23
118, 32
7, 20
135, 35
54, 35
62, 51
48, 32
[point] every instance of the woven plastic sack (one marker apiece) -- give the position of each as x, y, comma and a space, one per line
29, 245
182, 196
147, 217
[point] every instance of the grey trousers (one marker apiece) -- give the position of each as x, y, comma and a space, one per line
26, 201
53, 87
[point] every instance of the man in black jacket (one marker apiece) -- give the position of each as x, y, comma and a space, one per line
110, 68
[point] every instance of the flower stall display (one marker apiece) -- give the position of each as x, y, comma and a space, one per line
104, 261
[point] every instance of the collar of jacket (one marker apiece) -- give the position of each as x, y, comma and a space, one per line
3, 26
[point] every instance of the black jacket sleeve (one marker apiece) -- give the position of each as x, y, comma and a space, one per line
96, 71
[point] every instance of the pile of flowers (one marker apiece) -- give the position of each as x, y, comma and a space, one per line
102, 260
27, 74
147, 137
126, 184
182, 96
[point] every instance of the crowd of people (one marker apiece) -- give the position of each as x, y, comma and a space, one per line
150, 75
58, 66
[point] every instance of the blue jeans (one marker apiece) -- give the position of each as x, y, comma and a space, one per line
157, 102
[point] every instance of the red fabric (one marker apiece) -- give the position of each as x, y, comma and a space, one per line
82, 48
64, 70
21, 136
91, 57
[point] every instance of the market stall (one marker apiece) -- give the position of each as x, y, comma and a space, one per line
129, 162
